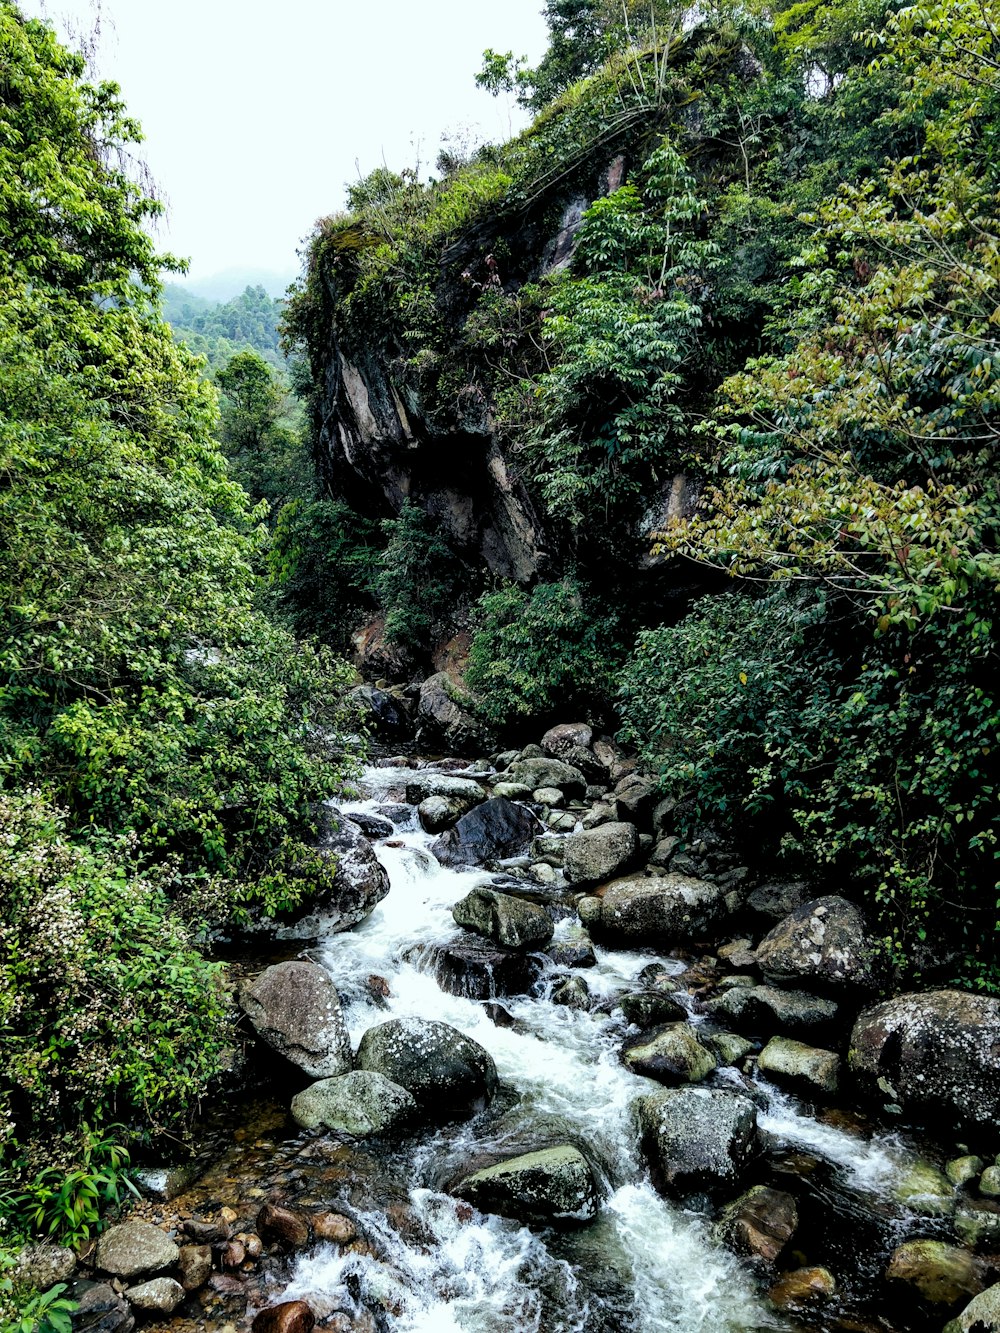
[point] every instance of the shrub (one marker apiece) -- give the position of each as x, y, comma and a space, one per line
419, 579
107, 1011
535, 654
322, 563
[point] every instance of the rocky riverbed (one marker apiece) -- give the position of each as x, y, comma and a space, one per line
543, 1066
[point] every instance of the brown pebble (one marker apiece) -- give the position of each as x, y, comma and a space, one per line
206, 1233
252, 1243
195, 1265
228, 1216
282, 1226
233, 1254
379, 986
334, 1227
225, 1284
288, 1317
804, 1286
464, 1212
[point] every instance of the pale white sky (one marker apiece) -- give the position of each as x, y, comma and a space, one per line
255, 112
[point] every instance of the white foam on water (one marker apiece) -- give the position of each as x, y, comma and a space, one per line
870, 1166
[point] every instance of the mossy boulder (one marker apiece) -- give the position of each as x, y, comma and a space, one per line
362, 1102
553, 1185
670, 1054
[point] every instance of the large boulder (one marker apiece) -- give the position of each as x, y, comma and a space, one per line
542, 772
492, 831
670, 1054
559, 741
360, 881
443, 718
476, 968
464, 792
981, 1315
759, 1224
824, 943
361, 1102
132, 1249
939, 1273
698, 1138
446, 1072
553, 1185
806, 1069
935, 1056
600, 853
659, 909
764, 1010
507, 920
295, 1008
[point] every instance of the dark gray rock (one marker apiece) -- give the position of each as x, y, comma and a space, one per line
774, 899
380, 712
824, 943
698, 1139
670, 1054
764, 1010
935, 1055
553, 1186
650, 1008
659, 909
445, 1071
600, 853
295, 1008
506, 920
372, 826
493, 831
100, 1309
478, 969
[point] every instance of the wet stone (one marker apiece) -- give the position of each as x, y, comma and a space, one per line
478, 969
554, 1185
650, 1008
802, 1288
288, 1317
759, 1224
194, 1263
282, 1226
940, 1274
133, 1248
961, 1170
162, 1294
100, 1309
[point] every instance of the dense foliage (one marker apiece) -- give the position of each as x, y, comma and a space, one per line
161, 742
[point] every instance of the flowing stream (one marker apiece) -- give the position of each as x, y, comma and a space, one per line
646, 1264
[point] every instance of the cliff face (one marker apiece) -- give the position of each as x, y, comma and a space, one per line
379, 439
378, 447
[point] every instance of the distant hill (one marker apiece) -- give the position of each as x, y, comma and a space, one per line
217, 329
